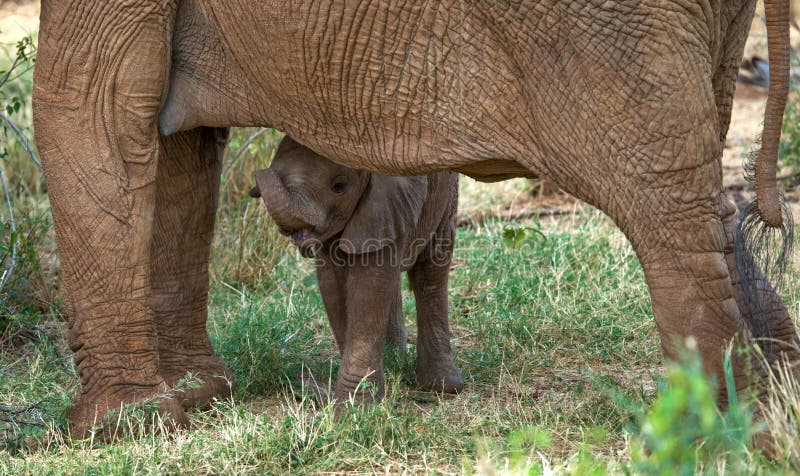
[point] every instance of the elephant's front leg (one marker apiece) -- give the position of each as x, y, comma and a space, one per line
372, 283
332, 278
186, 200
100, 80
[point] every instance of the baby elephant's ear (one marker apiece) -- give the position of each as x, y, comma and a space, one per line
387, 213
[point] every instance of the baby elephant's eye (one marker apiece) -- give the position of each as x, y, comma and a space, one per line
338, 187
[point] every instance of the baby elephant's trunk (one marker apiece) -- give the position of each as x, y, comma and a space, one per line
282, 206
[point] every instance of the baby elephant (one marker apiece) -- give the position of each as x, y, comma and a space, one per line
364, 229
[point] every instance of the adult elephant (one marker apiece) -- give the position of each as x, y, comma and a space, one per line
625, 105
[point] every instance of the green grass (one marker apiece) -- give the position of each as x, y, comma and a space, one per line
549, 336
554, 338
539, 332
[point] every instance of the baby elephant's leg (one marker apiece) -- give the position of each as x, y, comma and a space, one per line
332, 277
396, 337
436, 369
372, 284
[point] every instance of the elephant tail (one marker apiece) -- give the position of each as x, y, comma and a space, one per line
764, 170
764, 235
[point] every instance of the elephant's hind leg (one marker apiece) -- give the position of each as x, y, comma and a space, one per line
186, 200
773, 328
396, 336
674, 225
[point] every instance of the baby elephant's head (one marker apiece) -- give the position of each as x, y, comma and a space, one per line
310, 197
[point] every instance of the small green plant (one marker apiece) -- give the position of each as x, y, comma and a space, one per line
136, 419
189, 382
142, 418
515, 236
519, 453
522, 445
585, 463
684, 432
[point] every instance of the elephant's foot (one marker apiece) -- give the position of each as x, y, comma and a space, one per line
442, 378
129, 409
360, 390
196, 380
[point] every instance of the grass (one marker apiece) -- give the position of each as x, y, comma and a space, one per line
552, 329
530, 357
550, 336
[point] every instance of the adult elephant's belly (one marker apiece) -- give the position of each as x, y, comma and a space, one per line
372, 85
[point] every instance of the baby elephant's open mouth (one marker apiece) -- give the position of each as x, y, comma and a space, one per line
305, 242
301, 236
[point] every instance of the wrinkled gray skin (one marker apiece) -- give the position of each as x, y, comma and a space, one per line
365, 229
623, 104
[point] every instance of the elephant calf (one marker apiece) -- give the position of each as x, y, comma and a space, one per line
365, 229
